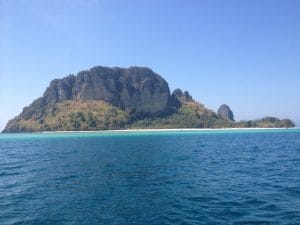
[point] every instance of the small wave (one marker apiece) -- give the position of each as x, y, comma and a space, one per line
270, 207
201, 199
293, 191
254, 202
3, 174
256, 222
11, 167
66, 177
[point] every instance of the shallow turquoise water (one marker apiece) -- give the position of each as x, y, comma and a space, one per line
190, 177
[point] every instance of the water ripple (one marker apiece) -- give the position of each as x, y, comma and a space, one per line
178, 178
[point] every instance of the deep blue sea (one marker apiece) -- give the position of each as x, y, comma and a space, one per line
186, 177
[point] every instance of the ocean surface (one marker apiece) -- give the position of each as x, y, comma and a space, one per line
171, 177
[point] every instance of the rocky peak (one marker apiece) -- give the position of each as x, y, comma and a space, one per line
225, 112
136, 89
182, 96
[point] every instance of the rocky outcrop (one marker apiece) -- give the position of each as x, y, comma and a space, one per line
122, 98
224, 112
134, 89
182, 96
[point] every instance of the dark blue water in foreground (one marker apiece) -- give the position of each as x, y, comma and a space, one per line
211, 177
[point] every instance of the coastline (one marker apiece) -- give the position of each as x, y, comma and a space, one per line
129, 132
169, 130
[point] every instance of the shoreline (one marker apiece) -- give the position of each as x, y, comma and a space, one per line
153, 131
166, 130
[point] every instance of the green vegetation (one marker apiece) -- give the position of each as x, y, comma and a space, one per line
267, 122
75, 115
118, 98
100, 115
189, 115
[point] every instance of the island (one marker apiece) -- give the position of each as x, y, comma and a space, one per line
104, 98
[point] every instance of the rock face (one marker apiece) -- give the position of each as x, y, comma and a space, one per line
121, 98
134, 89
224, 112
182, 96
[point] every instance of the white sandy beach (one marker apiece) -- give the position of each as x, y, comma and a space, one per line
169, 130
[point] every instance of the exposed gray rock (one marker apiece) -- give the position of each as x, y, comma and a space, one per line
130, 98
134, 89
182, 96
225, 113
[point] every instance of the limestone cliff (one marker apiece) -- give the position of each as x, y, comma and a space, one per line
134, 89
225, 113
120, 98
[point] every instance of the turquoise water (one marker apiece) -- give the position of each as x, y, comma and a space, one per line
190, 177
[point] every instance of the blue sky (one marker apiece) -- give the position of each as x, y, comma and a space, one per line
242, 53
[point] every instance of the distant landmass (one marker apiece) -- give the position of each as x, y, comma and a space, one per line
105, 98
